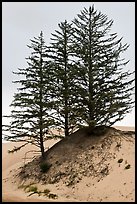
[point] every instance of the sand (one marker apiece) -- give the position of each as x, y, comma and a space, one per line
117, 186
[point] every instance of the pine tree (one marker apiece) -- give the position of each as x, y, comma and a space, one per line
30, 118
63, 66
105, 89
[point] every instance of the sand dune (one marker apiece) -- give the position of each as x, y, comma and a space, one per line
125, 128
12, 161
117, 186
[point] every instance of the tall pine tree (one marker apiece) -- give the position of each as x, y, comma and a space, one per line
63, 66
30, 118
105, 88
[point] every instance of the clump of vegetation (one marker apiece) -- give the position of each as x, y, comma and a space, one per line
120, 160
99, 130
32, 189
26, 186
53, 196
49, 195
39, 193
102, 92
45, 167
46, 191
128, 166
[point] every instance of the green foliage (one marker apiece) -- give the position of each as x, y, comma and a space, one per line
64, 87
30, 118
53, 196
49, 195
46, 191
79, 79
98, 130
32, 189
26, 186
105, 90
45, 167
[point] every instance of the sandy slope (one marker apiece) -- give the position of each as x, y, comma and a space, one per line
117, 186
10, 162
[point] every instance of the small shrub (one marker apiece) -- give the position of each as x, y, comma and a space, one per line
53, 196
33, 189
46, 191
45, 167
128, 166
39, 193
120, 161
99, 130
26, 186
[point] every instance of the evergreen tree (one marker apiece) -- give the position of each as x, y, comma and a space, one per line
30, 119
105, 88
63, 66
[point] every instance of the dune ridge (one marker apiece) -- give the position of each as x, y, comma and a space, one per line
119, 185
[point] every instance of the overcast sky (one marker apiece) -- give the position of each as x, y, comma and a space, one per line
21, 21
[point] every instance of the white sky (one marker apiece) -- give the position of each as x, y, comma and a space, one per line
21, 21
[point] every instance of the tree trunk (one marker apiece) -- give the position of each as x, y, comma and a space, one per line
91, 108
41, 144
41, 108
66, 89
66, 121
